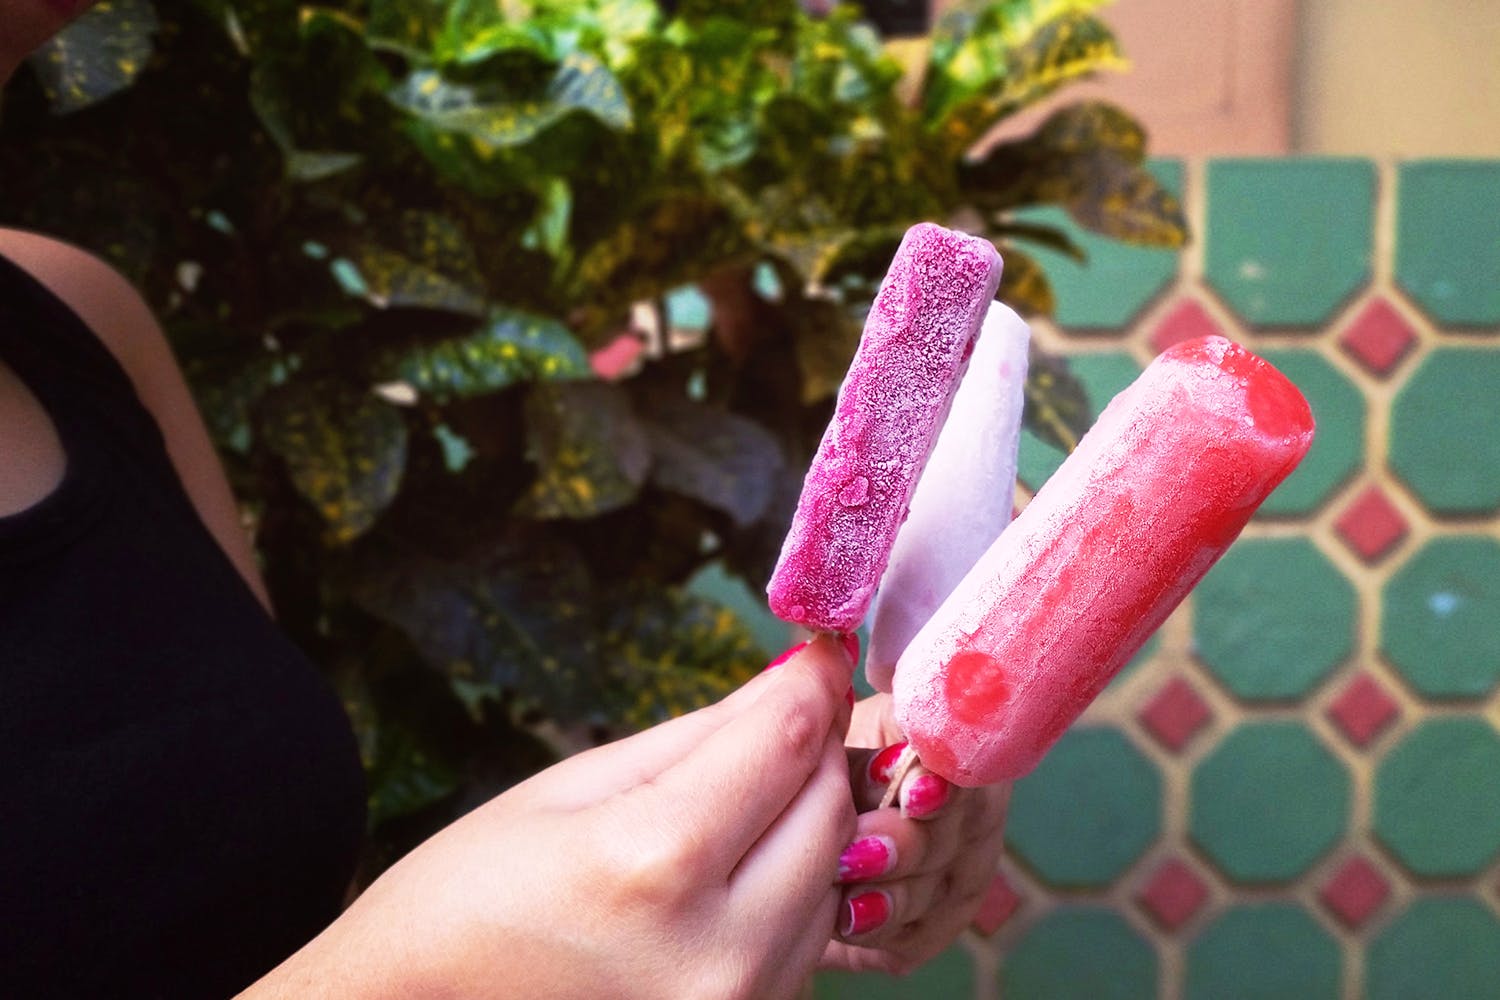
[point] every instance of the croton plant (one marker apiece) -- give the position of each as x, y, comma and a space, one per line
413, 255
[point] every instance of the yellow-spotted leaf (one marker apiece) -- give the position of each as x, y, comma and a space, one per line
1057, 405
512, 346
344, 450
1125, 200
1024, 285
591, 453
716, 457
673, 652
97, 55
493, 115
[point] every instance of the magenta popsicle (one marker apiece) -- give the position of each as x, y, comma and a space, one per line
1152, 496
915, 347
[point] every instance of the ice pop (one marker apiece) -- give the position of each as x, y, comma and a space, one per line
1154, 493
964, 498
916, 344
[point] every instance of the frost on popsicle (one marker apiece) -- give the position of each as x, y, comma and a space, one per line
916, 344
964, 498
1153, 495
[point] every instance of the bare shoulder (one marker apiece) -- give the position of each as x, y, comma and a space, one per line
92, 288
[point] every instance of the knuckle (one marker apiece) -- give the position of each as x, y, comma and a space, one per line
802, 729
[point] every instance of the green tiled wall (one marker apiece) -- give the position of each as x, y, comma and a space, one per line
1295, 793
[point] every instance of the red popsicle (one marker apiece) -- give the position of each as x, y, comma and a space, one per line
1153, 495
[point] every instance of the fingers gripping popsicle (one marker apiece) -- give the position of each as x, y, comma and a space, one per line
964, 498
915, 347
1154, 493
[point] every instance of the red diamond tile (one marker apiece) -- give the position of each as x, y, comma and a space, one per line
1175, 715
1355, 892
1173, 893
1379, 337
999, 903
1371, 525
1362, 710
1187, 320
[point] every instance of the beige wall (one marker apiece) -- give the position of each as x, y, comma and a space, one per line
1397, 78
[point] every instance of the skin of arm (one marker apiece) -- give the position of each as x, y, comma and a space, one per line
119, 316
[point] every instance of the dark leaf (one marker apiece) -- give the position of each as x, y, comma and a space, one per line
712, 455
1126, 201
1057, 405
1050, 237
402, 776
98, 55
1091, 125
675, 652
1024, 285
827, 335
513, 346
433, 268
344, 450
591, 452
514, 619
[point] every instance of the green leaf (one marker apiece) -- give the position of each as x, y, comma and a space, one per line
1050, 237
515, 618
513, 346
402, 777
344, 450
675, 652
100, 54
591, 453
714, 456
1089, 126
1057, 405
488, 114
433, 268
1024, 285
408, 27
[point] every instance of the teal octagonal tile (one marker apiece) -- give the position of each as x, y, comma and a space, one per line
1447, 948
1088, 811
1447, 252
1269, 951
1437, 798
1289, 241
1338, 446
1268, 802
1273, 618
1440, 625
1116, 280
1103, 376
1080, 953
1443, 440
951, 974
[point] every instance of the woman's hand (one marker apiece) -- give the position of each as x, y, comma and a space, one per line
913, 876
697, 859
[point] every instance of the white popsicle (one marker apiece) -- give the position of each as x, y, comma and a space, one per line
965, 497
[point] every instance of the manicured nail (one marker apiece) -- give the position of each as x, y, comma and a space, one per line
785, 656
924, 796
866, 858
865, 913
882, 766
851, 645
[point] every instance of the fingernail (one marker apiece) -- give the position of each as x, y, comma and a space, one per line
851, 645
785, 656
881, 768
867, 857
865, 913
924, 796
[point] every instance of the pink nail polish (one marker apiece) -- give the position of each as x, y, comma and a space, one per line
881, 767
924, 796
851, 645
785, 656
866, 912
866, 858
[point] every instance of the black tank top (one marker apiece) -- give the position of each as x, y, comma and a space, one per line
181, 799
